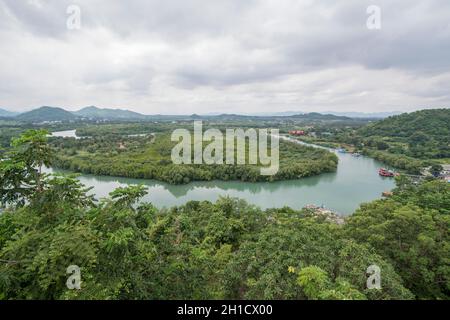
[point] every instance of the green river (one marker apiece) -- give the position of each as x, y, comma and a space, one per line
355, 181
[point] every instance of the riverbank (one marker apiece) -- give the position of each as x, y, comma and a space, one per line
355, 181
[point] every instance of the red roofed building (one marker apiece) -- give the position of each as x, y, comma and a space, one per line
297, 132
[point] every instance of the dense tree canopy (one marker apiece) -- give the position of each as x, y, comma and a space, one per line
127, 249
149, 157
224, 250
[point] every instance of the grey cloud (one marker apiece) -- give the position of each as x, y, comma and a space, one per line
192, 52
413, 38
39, 17
136, 78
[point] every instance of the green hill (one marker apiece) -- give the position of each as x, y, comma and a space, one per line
46, 114
320, 116
108, 114
421, 134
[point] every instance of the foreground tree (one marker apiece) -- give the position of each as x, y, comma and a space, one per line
411, 230
21, 168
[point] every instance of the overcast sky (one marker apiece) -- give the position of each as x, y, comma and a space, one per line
232, 56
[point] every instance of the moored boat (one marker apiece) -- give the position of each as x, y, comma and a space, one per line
385, 172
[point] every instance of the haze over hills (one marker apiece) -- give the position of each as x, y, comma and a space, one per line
336, 113
6, 113
364, 114
320, 116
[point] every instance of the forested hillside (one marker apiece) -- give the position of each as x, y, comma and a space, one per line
422, 134
202, 250
111, 114
46, 114
409, 141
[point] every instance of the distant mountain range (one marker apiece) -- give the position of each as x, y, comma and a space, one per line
365, 114
47, 113
51, 114
6, 113
344, 114
320, 116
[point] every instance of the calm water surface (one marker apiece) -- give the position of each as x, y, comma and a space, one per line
355, 181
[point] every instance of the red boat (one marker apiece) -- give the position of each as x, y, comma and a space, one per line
385, 173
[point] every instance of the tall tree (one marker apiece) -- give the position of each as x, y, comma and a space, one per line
21, 168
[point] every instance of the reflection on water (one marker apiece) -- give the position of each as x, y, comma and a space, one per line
355, 181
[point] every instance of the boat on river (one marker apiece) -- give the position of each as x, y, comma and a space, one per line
386, 173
